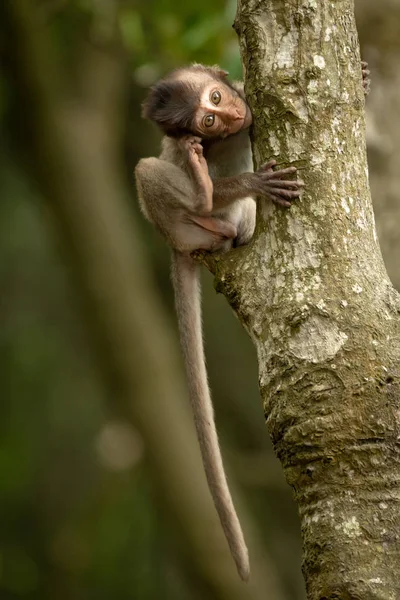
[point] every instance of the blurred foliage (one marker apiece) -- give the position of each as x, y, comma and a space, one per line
80, 514
191, 32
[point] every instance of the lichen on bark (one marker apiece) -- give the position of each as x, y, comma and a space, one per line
312, 291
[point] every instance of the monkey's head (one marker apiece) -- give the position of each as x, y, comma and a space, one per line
197, 100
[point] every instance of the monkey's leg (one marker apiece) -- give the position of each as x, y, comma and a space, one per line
161, 187
366, 77
164, 187
171, 201
195, 232
213, 233
198, 170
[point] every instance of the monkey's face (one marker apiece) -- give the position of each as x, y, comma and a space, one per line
222, 111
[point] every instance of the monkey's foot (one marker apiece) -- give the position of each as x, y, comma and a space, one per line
193, 149
366, 77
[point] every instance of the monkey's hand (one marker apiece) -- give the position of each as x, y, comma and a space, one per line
274, 186
193, 150
366, 77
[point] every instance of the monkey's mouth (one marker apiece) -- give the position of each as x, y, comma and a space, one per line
244, 122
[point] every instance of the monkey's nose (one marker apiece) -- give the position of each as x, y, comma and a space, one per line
235, 115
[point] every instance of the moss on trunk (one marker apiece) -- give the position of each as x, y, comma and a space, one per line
313, 293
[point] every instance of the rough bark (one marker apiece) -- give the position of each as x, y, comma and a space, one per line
313, 293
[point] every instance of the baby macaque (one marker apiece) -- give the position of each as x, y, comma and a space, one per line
200, 193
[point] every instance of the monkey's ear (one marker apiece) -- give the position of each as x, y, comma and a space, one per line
217, 71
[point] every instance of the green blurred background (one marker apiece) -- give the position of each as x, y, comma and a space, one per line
81, 516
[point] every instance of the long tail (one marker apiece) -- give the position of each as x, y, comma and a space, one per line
185, 277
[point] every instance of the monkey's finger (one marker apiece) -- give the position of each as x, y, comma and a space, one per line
193, 156
287, 194
289, 184
198, 148
280, 201
189, 141
268, 165
281, 172
194, 139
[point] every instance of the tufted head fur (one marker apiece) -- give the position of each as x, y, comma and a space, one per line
172, 101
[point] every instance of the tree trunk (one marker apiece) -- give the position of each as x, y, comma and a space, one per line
313, 294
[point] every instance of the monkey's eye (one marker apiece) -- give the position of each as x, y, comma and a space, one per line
209, 120
216, 97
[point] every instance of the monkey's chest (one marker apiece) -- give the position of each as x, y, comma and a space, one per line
229, 157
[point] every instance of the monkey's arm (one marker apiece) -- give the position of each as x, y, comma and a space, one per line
265, 182
178, 201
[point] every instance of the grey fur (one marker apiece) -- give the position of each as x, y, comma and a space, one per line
175, 194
